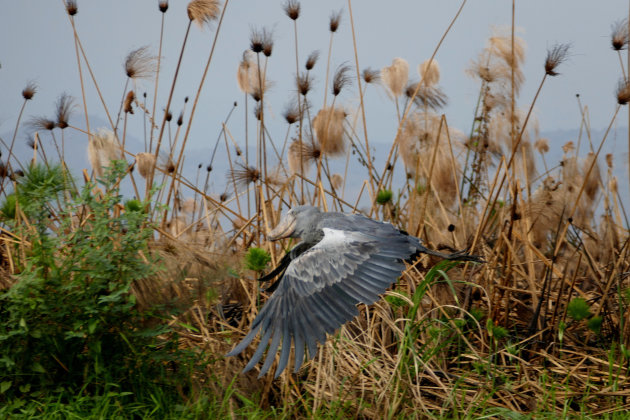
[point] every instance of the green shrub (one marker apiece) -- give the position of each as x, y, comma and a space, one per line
70, 321
578, 309
384, 196
256, 259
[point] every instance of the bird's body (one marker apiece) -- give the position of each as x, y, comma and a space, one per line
342, 260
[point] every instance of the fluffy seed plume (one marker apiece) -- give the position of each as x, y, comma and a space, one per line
426, 96
295, 158
302, 155
417, 141
260, 40
371, 76
496, 63
620, 35
336, 181
189, 205
127, 106
145, 163
311, 60
71, 7
501, 45
163, 5
291, 113
328, 127
430, 72
568, 147
341, 79
41, 124
203, 12
64, 107
609, 160
292, 9
395, 77
303, 83
268, 45
102, 149
244, 175
243, 72
592, 182
623, 92
258, 111
555, 56
29, 90
542, 146
140, 64
335, 19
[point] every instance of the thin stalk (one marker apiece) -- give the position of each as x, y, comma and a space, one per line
157, 79
168, 102
203, 79
365, 132
122, 101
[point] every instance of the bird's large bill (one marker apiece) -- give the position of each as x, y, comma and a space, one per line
284, 228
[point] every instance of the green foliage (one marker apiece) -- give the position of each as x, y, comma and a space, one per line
578, 309
8, 208
36, 191
477, 313
384, 196
134, 205
70, 321
595, 324
495, 331
256, 259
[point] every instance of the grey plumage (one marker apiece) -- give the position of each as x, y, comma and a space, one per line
343, 260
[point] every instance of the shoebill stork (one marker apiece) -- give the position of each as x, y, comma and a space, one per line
342, 260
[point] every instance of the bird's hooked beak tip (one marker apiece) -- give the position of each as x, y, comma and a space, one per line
284, 229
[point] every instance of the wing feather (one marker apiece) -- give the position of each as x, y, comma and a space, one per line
322, 286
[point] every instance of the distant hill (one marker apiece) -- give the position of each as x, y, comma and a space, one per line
76, 157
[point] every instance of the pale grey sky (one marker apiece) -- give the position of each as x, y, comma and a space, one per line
37, 44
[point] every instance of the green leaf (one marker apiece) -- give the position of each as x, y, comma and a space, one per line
7, 210
37, 367
499, 332
92, 325
187, 326
4, 386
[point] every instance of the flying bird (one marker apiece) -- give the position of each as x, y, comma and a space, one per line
341, 261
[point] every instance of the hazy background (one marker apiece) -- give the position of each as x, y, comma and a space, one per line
37, 44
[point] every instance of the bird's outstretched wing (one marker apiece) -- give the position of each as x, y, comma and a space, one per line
321, 288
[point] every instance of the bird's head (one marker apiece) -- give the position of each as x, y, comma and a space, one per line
296, 223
